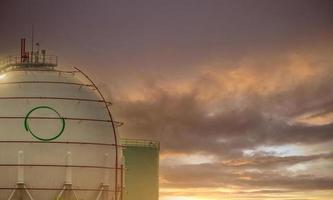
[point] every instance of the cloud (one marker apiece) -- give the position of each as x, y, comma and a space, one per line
263, 161
207, 78
225, 111
218, 176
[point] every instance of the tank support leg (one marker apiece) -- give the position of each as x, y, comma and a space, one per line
103, 192
67, 191
21, 188
104, 188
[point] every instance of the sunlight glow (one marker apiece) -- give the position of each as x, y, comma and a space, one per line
180, 198
2, 76
181, 159
283, 150
314, 119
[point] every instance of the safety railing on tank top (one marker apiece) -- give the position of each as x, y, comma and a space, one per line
38, 60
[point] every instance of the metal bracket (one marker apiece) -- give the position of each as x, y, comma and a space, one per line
66, 193
103, 192
20, 189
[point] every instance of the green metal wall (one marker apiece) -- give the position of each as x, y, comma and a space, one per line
141, 169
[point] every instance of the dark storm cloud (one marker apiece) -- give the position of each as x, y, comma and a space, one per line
243, 120
181, 122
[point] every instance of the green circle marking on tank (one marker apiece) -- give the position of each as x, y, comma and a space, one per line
28, 129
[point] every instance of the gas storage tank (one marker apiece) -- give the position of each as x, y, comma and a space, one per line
57, 136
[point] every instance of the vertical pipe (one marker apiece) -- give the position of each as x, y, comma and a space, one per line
22, 49
43, 55
106, 181
121, 181
106, 171
68, 168
32, 38
20, 171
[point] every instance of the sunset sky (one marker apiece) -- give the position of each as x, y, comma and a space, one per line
238, 92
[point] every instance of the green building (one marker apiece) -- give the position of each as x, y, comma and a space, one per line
141, 169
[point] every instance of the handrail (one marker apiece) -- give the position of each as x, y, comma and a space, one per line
140, 143
37, 61
50, 60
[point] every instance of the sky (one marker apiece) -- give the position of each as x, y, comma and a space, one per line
238, 92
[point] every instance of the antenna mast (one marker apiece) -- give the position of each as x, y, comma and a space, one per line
32, 39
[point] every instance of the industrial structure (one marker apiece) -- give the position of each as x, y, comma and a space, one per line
142, 169
58, 139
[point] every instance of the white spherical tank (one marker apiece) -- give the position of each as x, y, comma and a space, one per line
57, 137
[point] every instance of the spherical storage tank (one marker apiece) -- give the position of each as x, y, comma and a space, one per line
57, 136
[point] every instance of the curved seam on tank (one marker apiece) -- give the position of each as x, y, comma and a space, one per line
66, 118
49, 142
45, 82
76, 189
57, 98
42, 70
64, 166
